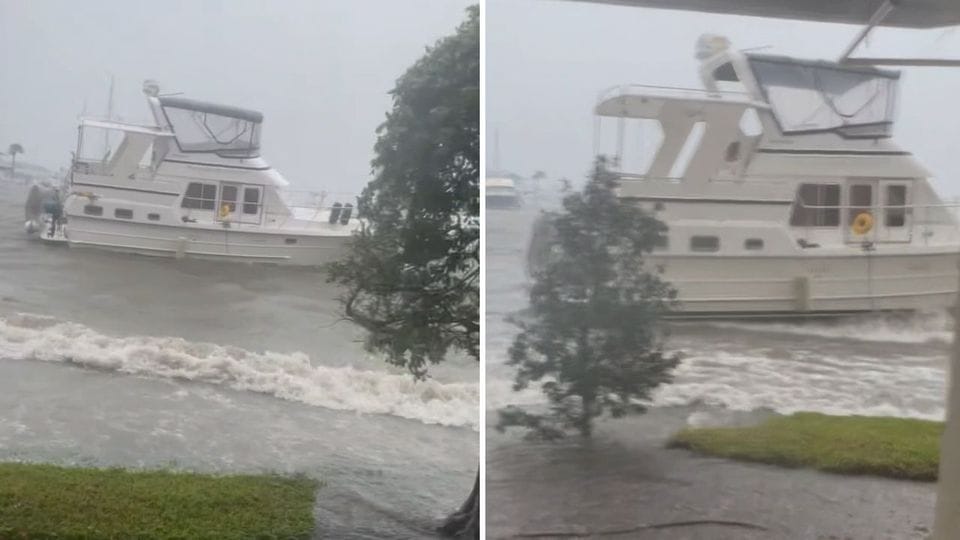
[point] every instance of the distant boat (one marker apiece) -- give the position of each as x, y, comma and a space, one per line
501, 193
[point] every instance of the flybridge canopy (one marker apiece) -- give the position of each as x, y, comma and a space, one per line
212, 108
809, 97
825, 65
908, 13
229, 132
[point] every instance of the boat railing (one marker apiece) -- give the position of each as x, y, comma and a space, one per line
299, 209
919, 213
315, 209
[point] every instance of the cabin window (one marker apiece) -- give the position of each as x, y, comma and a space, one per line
704, 243
251, 201
896, 196
733, 152
808, 211
753, 244
289, 241
93, 210
861, 201
726, 73
123, 213
153, 217
200, 196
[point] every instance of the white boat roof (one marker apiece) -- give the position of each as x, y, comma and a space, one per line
123, 126
908, 13
499, 183
638, 101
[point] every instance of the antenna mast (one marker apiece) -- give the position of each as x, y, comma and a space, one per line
106, 133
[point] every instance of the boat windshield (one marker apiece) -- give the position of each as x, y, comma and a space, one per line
205, 127
813, 96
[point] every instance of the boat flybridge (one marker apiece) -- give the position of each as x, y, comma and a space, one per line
782, 189
192, 185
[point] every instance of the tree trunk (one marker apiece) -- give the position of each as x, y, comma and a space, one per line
586, 416
465, 522
13, 167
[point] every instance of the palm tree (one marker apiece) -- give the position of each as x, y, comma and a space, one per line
13, 150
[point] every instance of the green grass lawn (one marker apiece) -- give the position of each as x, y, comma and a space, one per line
892, 447
45, 501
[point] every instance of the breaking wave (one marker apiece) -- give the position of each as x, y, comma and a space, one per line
911, 387
287, 376
931, 328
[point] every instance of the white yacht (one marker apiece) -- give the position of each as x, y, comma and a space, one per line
783, 191
500, 193
191, 185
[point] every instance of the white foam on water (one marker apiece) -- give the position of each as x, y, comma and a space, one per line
792, 381
911, 387
286, 376
916, 329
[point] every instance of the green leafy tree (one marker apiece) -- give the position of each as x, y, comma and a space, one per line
13, 150
411, 278
593, 336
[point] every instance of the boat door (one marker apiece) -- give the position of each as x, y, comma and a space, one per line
896, 216
227, 202
887, 203
252, 207
861, 198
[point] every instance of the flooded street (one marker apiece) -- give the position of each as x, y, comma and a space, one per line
732, 373
114, 360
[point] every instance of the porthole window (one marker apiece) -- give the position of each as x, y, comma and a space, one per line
153, 217
704, 243
123, 213
753, 243
93, 210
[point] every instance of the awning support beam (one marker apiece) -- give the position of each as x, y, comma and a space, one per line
878, 16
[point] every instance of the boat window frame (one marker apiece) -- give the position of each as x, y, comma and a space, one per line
799, 203
890, 210
201, 198
753, 244
127, 213
715, 241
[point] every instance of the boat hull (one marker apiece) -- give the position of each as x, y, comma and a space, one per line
224, 244
811, 285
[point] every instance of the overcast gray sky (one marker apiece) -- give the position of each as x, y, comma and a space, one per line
319, 70
547, 60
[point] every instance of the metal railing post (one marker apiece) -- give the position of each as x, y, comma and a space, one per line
947, 517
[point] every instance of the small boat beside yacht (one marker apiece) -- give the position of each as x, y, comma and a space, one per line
783, 191
501, 193
191, 185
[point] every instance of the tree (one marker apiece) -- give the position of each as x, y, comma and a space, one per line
411, 278
593, 335
13, 150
